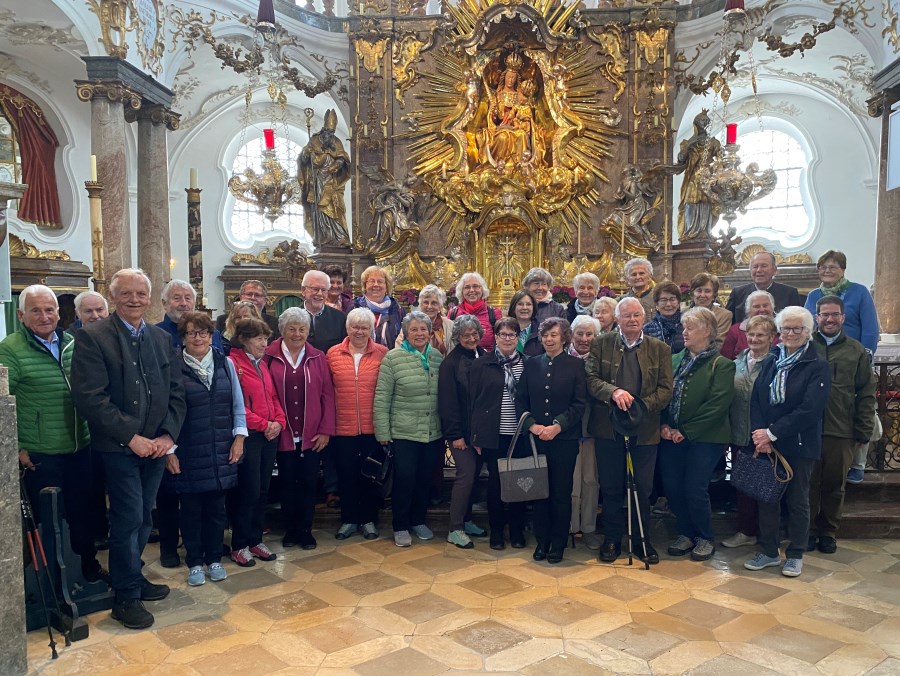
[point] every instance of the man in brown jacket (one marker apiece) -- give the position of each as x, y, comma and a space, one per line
621, 366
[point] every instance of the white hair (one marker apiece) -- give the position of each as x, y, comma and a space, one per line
309, 274
81, 297
177, 284
603, 300
437, 292
630, 265
415, 316
537, 275
588, 277
359, 315
127, 272
478, 278
795, 312
582, 320
627, 301
293, 315
34, 290
758, 294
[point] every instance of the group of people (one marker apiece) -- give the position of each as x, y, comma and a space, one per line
193, 415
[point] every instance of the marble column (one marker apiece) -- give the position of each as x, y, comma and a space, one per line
109, 101
154, 246
887, 239
13, 645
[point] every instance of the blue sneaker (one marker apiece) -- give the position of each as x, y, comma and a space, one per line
217, 572
761, 561
792, 567
855, 475
472, 528
196, 577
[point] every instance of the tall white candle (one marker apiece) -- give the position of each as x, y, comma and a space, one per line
193, 179
94, 168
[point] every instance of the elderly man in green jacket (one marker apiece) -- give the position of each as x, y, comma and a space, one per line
54, 446
849, 421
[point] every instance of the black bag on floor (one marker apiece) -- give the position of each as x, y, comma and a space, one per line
379, 467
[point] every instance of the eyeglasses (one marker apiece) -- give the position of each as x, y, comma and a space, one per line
669, 299
830, 315
829, 268
316, 289
793, 329
200, 333
634, 315
507, 336
253, 294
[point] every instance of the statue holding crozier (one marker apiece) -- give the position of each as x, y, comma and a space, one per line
323, 170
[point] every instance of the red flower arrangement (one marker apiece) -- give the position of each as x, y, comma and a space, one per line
407, 297
563, 294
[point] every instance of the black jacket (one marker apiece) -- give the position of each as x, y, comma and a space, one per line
328, 329
454, 392
487, 382
121, 396
783, 294
798, 422
553, 389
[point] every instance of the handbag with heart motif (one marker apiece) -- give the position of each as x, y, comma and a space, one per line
523, 479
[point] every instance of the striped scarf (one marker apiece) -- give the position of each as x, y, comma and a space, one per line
509, 376
783, 366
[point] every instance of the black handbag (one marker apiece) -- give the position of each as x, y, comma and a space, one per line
523, 479
761, 476
378, 467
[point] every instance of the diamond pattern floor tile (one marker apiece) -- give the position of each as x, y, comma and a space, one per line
423, 608
488, 637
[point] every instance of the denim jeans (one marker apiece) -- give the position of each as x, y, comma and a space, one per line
202, 526
132, 483
687, 468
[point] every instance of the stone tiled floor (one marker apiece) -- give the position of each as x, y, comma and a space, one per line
370, 608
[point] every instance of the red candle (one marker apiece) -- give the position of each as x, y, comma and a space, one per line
270, 138
731, 134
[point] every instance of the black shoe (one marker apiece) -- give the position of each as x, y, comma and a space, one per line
101, 544
652, 555
555, 555
96, 575
517, 540
132, 614
811, 543
610, 551
153, 592
540, 552
289, 540
154, 536
169, 559
306, 540
827, 544
497, 542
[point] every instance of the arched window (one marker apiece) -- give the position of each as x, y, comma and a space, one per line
785, 215
10, 159
246, 224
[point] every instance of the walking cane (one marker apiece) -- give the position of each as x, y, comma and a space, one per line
632, 495
627, 423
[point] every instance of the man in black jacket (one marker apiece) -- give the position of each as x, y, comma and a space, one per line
126, 388
762, 269
254, 291
329, 326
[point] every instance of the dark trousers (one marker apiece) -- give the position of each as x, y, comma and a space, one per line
413, 463
359, 499
826, 485
747, 509
202, 526
297, 474
167, 520
468, 467
97, 500
553, 514
501, 513
611, 471
71, 472
687, 468
254, 476
132, 486
330, 480
796, 499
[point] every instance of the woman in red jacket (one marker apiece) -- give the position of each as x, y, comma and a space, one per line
472, 291
354, 367
265, 420
303, 383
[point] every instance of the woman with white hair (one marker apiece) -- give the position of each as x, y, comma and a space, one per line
354, 368
472, 291
431, 301
786, 412
538, 282
695, 429
757, 303
586, 285
304, 387
604, 311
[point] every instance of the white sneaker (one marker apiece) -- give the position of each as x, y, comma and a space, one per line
402, 538
460, 539
739, 540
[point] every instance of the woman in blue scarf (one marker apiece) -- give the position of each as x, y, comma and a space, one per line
666, 322
377, 285
789, 398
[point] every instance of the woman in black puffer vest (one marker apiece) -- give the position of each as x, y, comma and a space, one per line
204, 465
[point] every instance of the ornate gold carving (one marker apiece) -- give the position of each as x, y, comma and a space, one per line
722, 260
612, 43
262, 258
292, 259
875, 105
116, 92
653, 43
23, 249
470, 22
113, 16
406, 51
149, 18
371, 51
890, 25
749, 251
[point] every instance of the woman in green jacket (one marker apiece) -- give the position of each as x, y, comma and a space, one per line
695, 429
406, 414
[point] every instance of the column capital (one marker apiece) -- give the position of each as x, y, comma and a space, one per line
115, 91
157, 114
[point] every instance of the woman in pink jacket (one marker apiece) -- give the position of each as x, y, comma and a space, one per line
265, 421
354, 367
303, 383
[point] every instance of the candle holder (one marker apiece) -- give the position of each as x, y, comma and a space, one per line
95, 192
195, 247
